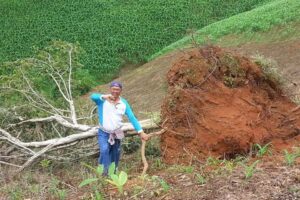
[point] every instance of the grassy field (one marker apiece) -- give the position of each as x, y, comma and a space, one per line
284, 13
112, 33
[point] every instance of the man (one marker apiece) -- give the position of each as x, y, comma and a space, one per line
111, 108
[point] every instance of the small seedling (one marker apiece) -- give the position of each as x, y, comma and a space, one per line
61, 194
249, 170
45, 163
228, 165
262, 150
200, 179
165, 186
290, 157
211, 161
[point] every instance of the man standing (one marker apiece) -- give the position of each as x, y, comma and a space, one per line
111, 108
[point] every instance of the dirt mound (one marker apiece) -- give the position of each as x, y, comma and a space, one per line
220, 104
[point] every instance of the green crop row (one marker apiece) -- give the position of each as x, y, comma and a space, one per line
111, 32
277, 12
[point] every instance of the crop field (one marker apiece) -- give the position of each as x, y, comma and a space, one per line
260, 19
112, 33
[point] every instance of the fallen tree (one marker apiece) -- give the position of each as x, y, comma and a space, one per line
56, 117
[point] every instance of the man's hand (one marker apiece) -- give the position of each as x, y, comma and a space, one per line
144, 136
108, 97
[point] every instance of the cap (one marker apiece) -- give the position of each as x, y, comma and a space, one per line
116, 84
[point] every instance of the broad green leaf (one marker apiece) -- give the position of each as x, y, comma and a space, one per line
100, 169
115, 178
122, 178
87, 181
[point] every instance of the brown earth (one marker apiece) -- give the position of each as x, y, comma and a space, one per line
220, 104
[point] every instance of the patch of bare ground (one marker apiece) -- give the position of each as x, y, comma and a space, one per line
269, 182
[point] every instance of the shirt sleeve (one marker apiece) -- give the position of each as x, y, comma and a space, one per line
97, 98
133, 120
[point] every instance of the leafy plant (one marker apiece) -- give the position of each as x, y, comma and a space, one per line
200, 179
45, 163
262, 150
117, 179
228, 165
165, 186
55, 190
290, 157
249, 170
61, 194
212, 161
95, 181
158, 163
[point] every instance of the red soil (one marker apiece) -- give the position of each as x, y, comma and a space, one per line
220, 104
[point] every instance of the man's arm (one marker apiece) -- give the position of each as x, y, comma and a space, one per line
133, 120
99, 98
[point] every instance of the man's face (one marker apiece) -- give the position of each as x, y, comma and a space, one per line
115, 92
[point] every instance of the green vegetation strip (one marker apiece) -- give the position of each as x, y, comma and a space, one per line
111, 32
261, 19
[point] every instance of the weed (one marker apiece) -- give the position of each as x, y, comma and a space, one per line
228, 165
61, 194
269, 68
290, 157
165, 186
15, 193
229, 81
211, 161
262, 150
249, 170
158, 164
45, 163
131, 144
200, 179
55, 190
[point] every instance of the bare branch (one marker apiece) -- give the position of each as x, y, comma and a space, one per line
59, 119
35, 156
10, 164
40, 97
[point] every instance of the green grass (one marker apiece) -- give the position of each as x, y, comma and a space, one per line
278, 33
261, 19
111, 32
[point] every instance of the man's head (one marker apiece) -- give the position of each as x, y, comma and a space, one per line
115, 89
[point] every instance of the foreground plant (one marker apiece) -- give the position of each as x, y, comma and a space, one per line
262, 150
249, 170
117, 179
200, 179
95, 182
290, 157
165, 186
